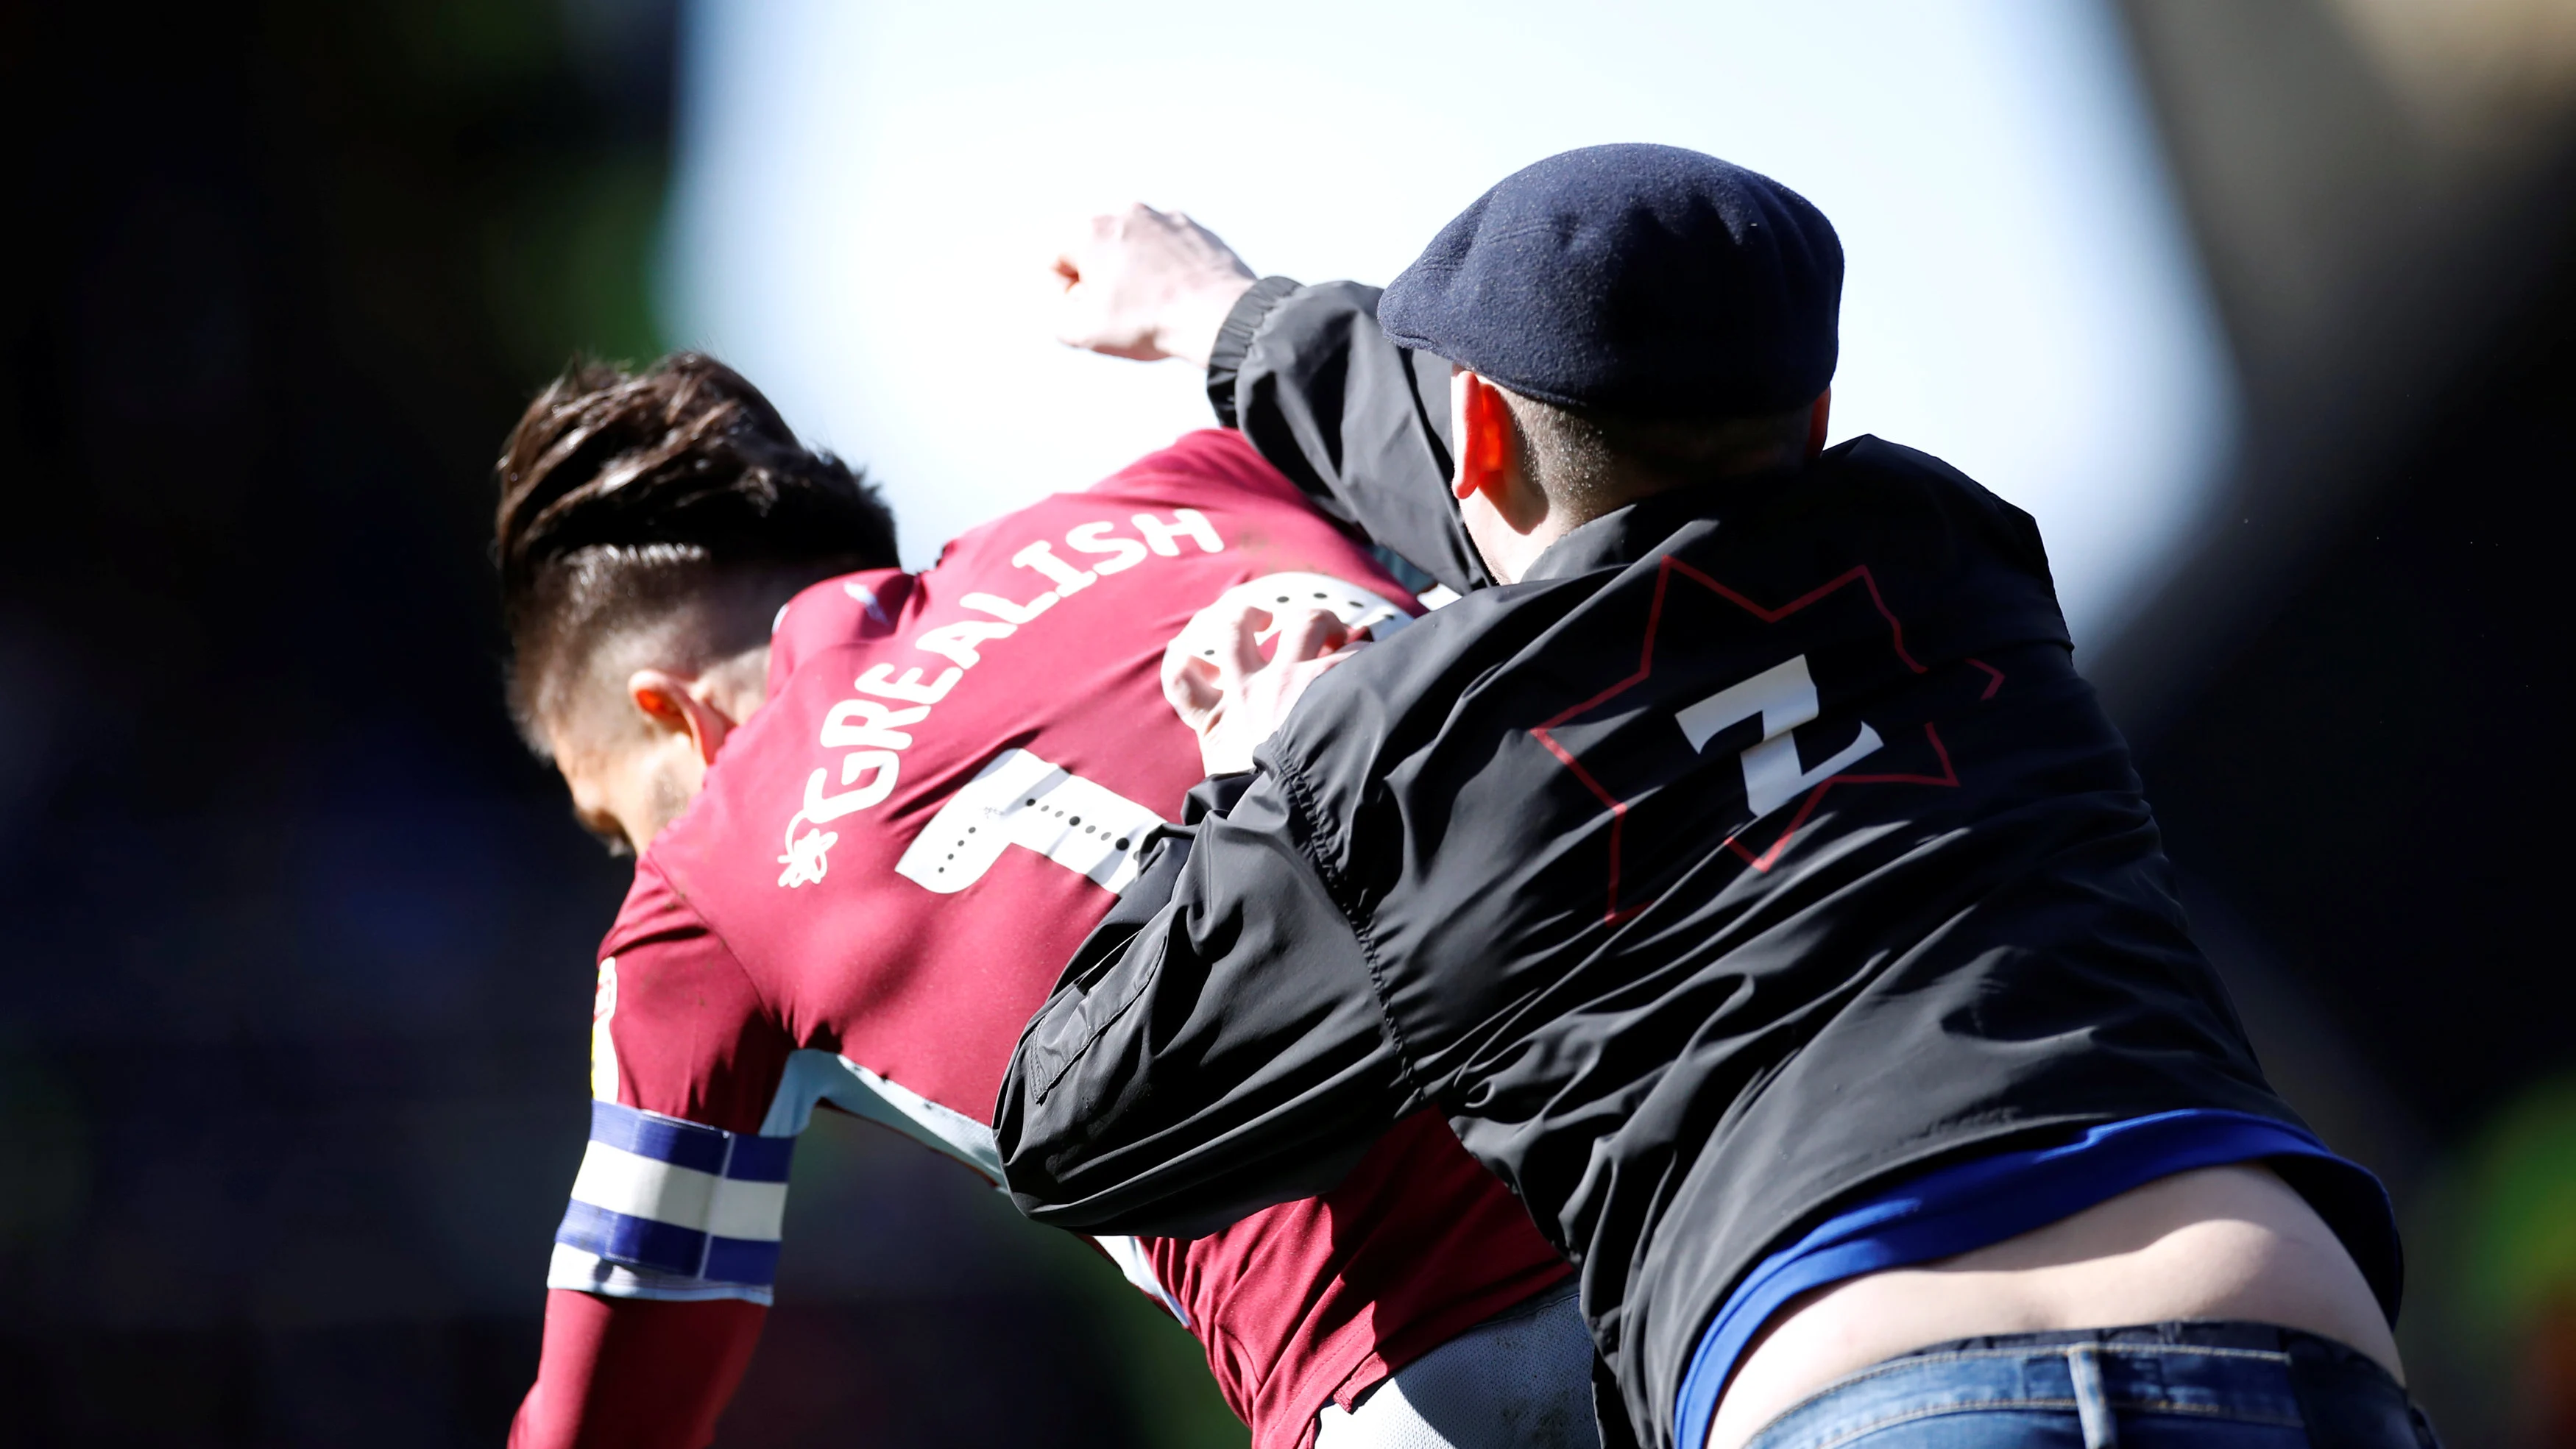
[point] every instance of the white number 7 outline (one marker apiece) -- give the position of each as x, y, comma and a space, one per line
1020, 799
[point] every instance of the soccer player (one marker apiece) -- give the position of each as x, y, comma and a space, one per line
1748, 876
872, 813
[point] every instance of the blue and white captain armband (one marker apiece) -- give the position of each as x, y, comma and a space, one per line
671, 1209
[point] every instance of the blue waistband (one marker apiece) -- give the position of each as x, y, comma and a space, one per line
1971, 1204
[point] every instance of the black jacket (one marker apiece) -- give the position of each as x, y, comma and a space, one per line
1760, 847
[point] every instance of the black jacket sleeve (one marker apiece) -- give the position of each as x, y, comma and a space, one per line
1216, 1047
1361, 424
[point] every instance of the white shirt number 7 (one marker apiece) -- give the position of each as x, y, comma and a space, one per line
1020, 799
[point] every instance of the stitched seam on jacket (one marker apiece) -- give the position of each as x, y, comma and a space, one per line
1337, 887
1074, 1055
1055, 1068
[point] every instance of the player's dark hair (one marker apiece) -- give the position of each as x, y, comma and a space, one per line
1586, 456
626, 495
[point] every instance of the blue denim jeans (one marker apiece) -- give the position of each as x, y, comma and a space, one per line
2192, 1385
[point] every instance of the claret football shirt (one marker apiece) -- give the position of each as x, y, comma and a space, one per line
954, 776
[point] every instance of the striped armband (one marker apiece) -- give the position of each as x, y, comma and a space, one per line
671, 1209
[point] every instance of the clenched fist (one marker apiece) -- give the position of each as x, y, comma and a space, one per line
1147, 284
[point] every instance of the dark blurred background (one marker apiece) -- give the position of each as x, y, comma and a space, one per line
294, 997
291, 1084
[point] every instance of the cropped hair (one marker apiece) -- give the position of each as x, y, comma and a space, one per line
1586, 456
625, 496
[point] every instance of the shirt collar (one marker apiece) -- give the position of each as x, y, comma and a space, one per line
1624, 535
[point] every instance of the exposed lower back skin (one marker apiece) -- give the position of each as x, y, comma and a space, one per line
2222, 1242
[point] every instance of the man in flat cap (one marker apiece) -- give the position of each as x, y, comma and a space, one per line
1739, 864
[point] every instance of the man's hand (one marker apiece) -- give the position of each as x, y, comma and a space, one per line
1147, 284
1230, 696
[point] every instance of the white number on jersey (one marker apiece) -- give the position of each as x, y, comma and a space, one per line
1020, 799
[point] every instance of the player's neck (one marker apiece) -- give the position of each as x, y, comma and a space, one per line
737, 686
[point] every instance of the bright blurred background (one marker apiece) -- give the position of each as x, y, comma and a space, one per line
864, 226
2265, 308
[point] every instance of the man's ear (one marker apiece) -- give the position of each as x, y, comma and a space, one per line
1817, 417
672, 704
1487, 438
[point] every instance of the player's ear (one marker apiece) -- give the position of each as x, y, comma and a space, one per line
674, 705
1817, 417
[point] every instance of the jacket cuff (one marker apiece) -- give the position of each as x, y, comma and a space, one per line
1234, 341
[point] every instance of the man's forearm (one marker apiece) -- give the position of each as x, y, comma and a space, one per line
1142, 1100
1359, 423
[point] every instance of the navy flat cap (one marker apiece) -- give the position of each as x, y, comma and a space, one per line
1646, 281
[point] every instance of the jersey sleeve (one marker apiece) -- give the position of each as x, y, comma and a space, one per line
680, 1194
1215, 1047
634, 1373
1360, 424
